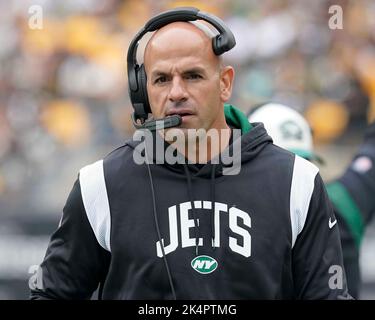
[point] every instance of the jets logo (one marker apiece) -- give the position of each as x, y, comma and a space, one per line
291, 130
204, 264
239, 222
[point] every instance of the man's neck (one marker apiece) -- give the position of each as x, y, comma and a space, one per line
200, 146
207, 145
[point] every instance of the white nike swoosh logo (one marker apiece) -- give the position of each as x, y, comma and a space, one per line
331, 224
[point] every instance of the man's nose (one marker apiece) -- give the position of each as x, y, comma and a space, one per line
177, 91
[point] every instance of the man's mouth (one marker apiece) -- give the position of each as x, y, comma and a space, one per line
183, 113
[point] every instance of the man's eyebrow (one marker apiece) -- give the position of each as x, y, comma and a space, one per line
157, 73
194, 70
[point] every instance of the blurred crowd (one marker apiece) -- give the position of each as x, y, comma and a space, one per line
63, 88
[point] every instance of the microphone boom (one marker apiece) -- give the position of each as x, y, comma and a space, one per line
158, 124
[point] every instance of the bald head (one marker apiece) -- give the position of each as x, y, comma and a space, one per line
184, 75
180, 39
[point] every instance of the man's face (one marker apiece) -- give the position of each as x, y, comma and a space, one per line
184, 77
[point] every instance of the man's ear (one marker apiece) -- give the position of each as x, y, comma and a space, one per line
226, 83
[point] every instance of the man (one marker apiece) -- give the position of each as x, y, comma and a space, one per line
351, 194
195, 230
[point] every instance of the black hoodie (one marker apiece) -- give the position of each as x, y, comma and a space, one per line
273, 228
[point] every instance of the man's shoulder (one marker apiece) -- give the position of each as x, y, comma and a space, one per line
124, 150
305, 165
118, 155
280, 153
281, 159
277, 154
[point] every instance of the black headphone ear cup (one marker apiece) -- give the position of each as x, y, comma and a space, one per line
142, 81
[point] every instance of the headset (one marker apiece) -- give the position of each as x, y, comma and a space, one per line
137, 79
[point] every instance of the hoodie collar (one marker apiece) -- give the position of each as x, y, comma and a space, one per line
253, 138
236, 118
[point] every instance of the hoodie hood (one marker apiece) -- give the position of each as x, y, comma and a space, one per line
254, 138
